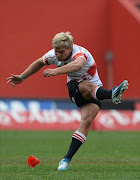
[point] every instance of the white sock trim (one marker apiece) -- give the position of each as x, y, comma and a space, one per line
79, 136
94, 92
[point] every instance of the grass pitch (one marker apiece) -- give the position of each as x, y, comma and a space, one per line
104, 156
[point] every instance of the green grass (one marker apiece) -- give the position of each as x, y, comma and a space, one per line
104, 156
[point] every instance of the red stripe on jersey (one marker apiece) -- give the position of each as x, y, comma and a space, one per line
46, 61
92, 69
81, 54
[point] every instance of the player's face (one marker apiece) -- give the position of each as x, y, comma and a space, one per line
63, 54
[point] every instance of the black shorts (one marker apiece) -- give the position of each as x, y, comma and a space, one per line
76, 96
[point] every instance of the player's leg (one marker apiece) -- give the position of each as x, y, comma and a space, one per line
82, 94
90, 90
88, 113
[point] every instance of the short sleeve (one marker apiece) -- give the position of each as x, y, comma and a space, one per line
45, 60
49, 57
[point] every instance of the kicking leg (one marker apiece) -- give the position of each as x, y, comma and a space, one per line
89, 112
90, 90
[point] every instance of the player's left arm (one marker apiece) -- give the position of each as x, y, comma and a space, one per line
68, 68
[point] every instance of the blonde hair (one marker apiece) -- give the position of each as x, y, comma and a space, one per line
62, 39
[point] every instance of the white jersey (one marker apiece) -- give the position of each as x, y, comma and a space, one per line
87, 72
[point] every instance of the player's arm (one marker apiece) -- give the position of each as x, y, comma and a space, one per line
69, 68
33, 68
72, 66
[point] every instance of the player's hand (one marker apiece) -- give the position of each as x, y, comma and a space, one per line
14, 80
50, 72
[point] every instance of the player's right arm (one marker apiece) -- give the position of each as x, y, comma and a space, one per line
33, 68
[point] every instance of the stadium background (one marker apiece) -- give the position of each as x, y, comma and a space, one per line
109, 29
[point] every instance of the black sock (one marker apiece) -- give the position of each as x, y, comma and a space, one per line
103, 93
75, 145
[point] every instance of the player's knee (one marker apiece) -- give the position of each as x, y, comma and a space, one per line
86, 88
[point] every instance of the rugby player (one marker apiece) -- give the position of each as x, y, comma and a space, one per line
83, 82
